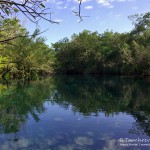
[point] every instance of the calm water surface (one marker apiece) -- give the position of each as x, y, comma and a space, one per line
75, 113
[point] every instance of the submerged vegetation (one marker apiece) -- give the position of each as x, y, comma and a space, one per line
87, 52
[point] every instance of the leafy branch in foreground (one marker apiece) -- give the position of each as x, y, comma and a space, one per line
34, 10
20, 36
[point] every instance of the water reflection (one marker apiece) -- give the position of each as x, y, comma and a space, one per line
111, 95
74, 112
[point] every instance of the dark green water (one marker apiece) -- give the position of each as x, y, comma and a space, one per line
75, 113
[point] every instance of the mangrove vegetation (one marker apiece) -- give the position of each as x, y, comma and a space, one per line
84, 53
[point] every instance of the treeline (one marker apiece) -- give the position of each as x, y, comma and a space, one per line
87, 52
110, 52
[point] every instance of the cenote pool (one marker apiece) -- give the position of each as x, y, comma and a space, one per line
75, 113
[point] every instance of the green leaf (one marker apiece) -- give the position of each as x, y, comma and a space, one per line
16, 10
7, 11
42, 5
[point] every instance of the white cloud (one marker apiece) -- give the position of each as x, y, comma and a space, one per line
59, 3
65, 7
104, 3
88, 7
111, 6
58, 20
85, 1
109, 3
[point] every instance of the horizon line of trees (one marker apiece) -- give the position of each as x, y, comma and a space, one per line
109, 52
85, 53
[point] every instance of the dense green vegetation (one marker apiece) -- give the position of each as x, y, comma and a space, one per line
118, 53
24, 56
86, 52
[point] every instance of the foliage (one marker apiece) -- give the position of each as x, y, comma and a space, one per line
115, 53
34, 10
17, 102
24, 56
86, 52
141, 23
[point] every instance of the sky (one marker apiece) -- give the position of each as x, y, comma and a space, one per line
102, 15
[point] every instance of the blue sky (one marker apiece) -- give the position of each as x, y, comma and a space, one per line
103, 15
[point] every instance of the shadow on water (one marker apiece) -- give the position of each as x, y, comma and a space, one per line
86, 95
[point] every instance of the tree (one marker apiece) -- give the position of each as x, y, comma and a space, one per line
110, 52
34, 10
141, 23
10, 29
24, 56
80, 51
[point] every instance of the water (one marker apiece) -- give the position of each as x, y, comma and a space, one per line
75, 113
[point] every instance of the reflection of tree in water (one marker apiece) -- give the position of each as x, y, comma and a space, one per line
110, 95
19, 101
141, 124
87, 95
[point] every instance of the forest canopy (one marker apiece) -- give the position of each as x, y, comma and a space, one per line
87, 52
109, 52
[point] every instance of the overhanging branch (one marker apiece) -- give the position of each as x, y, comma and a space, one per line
34, 10
20, 36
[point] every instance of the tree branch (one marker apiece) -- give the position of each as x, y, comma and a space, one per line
78, 13
30, 8
12, 38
